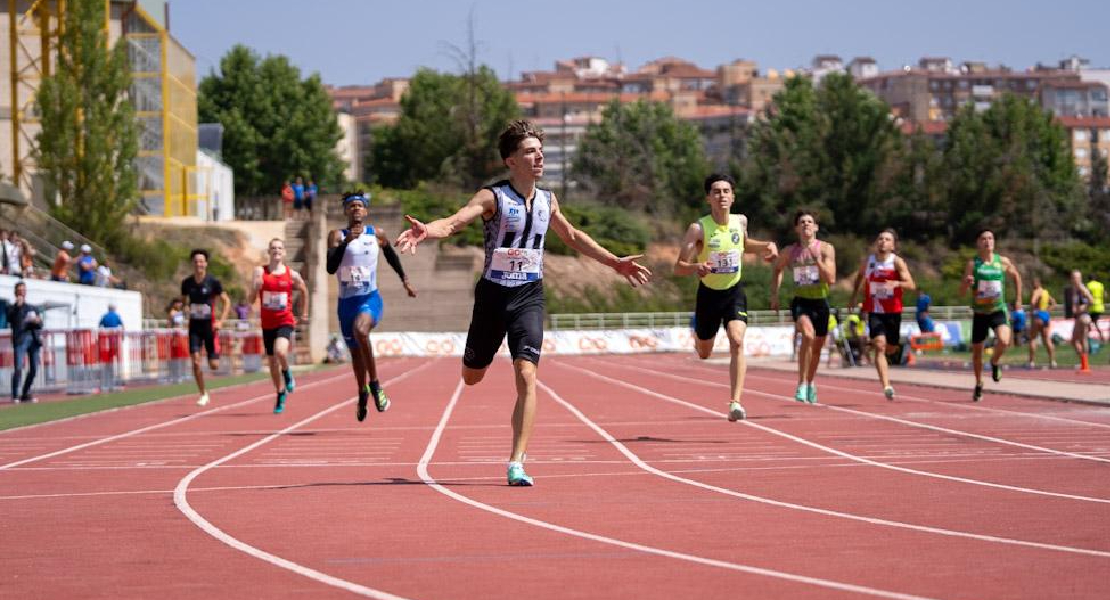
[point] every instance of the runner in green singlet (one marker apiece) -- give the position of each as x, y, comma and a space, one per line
985, 276
712, 249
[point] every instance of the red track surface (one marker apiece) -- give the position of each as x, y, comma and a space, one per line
643, 490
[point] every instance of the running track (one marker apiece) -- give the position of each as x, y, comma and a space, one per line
644, 490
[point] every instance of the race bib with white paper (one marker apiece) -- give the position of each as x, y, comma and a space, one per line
275, 300
521, 264
806, 275
989, 289
724, 261
882, 290
200, 311
358, 275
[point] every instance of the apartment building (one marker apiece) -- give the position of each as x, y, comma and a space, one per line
1089, 136
935, 89
163, 90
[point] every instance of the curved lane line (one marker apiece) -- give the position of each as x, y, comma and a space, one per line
830, 450
181, 500
636, 460
422, 472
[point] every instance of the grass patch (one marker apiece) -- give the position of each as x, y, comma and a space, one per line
31, 414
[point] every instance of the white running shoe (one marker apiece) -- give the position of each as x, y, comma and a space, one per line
736, 412
203, 400
888, 391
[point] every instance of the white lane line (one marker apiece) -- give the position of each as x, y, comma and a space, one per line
422, 471
119, 408
963, 406
636, 460
830, 450
181, 500
870, 415
134, 432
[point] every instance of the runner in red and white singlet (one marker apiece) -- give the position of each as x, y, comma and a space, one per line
274, 285
885, 274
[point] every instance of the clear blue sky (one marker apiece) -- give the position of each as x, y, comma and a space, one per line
362, 41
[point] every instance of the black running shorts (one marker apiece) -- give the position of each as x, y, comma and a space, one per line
715, 308
500, 311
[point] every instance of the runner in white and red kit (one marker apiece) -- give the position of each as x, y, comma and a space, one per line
274, 284
885, 274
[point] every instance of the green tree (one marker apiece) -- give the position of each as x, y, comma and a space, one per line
277, 125
447, 130
1098, 190
834, 149
89, 137
1010, 168
641, 157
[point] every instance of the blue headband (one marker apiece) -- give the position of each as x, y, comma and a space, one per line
364, 199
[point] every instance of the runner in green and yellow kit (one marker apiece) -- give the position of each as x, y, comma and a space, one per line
712, 250
985, 276
814, 265
1098, 305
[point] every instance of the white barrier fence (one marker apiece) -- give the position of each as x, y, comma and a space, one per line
760, 341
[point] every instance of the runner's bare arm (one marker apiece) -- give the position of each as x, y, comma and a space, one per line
226, 301
1016, 276
965, 285
688, 254
769, 249
776, 278
906, 281
826, 263
256, 285
858, 283
577, 239
299, 286
483, 204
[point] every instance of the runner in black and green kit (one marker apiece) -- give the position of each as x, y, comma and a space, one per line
712, 249
814, 265
986, 278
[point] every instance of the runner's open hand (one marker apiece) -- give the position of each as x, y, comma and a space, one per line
634, 272
410, 238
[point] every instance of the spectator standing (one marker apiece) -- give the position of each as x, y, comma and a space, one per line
242, 310
176, 313
60, 271
924, 321
26, 323
105, 278
111, 326
14, 251
4, 266
86, 266
286, 199
298, 196
310, 192
28, 260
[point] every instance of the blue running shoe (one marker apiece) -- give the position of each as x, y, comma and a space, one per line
801, 393
290, 383
811, 394
280, 406
517, 476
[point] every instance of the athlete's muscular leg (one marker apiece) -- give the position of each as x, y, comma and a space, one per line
880, 349
369, 368
738, 366
524, 413
815, 346
805, 328
473, 376
1002, 342
198, 372
977, 362
704, 348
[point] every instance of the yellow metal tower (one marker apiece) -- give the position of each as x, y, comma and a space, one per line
39, 21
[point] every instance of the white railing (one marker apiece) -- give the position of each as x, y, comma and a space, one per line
756, 317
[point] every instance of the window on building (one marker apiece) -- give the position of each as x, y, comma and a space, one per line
963, 84
934, 85
1081, 153
1079, 135
1030, 84
1083, 171
1103, 152
947, 86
